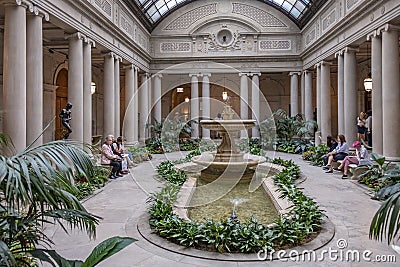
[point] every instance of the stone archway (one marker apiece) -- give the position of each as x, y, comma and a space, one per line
61, 99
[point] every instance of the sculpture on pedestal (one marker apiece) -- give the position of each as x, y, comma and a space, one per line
65, 116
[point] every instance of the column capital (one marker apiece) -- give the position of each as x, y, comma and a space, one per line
316, 66
77, 35
194, 75
307, 71
388, 27
373, 34
117, 58
325, 63
109, 54
89, 41
298, 73
37, 11
255, 74
159, 75
244, 74
23, 3
339, 53
205, 74
350, 49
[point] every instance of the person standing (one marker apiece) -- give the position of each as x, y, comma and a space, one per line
368, 125
361, 126
65, 116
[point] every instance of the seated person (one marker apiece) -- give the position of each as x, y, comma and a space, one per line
120, 148
109, 158
331, 144
360, 157
339, 153
115, 149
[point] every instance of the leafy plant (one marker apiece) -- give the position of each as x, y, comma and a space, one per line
315, 154
288, 127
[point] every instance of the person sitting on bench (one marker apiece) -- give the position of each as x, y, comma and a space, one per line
109, 158
339, 153
359, 157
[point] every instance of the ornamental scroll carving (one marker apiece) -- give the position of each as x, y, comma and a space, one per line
190, 17
105, 6
224, 40
260, 16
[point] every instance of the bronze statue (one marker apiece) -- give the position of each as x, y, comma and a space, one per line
65, 116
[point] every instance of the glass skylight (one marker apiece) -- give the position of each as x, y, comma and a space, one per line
155, 10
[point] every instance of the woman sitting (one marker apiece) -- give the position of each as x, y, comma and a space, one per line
339, 153
331, 144
359, 157
109, 158
120, 148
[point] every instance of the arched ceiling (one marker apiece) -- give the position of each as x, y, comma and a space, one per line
151, 12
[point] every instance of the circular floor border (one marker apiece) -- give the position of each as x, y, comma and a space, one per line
324, 237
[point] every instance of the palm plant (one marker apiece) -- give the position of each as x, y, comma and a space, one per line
288, 127
35, 189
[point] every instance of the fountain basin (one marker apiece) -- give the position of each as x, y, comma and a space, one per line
228, 125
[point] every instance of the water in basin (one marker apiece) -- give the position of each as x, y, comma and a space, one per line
256, 204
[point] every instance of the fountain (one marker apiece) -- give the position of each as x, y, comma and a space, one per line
227, 162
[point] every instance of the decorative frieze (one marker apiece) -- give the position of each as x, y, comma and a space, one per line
105, 6
260, 16
329, 20
310, 36
125, 23
351, 3
190, 17
168, 47
275, 45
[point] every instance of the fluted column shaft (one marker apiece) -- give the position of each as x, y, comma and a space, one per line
376, 72
14, 75
34, 79
390, 93
206, 103
117, 97
294, 93
340, 92
244, 100
308, 98
128, 127
157, 97
255, 103
108, 102
194, 105
350, 94
144, 106
326, 126
75, 85
87, 94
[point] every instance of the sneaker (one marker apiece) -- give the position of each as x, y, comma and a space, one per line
344, 176
330, 171
337, 169
326, 167
112, 177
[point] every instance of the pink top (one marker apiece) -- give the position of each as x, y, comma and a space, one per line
107, 154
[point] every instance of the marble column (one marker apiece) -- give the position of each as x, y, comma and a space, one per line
308, 98
302, 93
136, 106
244, 100
108, 102
144, 106
255, 103
350, 94
14, 75
157, 97
206, 102
318, 96
194, 105
390, 93
294, 93
87, 94
75, 84
340, 75
117, 96
326, 126
34, 77
376, 72
128, 127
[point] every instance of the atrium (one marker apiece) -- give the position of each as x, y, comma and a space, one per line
128, 65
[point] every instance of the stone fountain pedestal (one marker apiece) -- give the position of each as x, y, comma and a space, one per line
227, 163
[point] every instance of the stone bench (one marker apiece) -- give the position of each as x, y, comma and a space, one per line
354, 169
